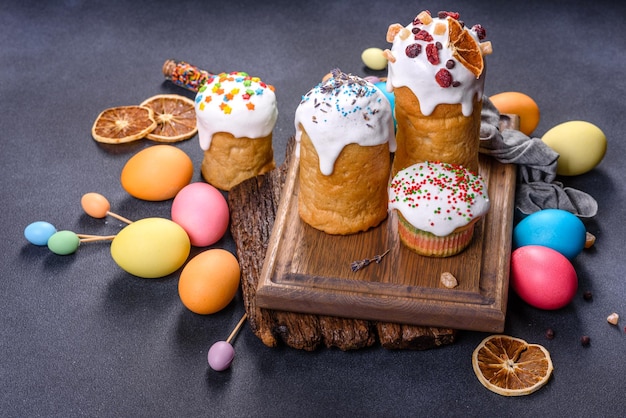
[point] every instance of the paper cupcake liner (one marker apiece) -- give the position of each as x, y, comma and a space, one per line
427, 244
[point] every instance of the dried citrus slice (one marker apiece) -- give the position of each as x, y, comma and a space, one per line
465, 48
118, 125
175, 116
510, 366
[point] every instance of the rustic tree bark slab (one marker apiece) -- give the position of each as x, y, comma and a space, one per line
253, 206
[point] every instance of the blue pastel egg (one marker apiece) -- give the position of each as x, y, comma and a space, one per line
39, 232
382, 86
553, 228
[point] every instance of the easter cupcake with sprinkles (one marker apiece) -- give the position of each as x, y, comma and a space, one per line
438, 205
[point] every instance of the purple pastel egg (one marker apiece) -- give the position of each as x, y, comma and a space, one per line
221, 355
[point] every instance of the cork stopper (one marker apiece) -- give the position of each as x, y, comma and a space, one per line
168, 68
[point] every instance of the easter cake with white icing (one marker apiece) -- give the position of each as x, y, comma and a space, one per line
344, 137
436, 71
236, 114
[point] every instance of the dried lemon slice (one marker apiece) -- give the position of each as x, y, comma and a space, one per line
465, 48
118, 125
510, 366
175, 116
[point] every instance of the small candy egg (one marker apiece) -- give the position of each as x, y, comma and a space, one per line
39, 232
95, 205
157, 173
372, 79
580, 145
202, 211
221, 355
63, 242
516, 103
209, 281
151, 247
554, 228
543, 277
374, 59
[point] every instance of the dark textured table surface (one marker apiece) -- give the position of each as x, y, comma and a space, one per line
80, 337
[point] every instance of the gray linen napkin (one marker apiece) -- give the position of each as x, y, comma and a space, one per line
536, 173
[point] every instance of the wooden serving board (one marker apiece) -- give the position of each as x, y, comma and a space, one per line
253, 206
308, 271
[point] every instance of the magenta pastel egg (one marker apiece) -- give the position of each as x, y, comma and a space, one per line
201, 210
221, 355
543, 277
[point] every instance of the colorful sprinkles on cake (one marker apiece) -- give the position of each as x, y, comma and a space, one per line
344, 109
335, 94
438, 197
235, 103
215, 85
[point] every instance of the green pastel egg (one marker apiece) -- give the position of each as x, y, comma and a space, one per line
63, 242
151, 247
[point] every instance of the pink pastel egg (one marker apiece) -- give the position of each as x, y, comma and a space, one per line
201, 210
221, 355
543, 277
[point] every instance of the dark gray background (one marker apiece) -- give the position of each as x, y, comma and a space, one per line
79, 337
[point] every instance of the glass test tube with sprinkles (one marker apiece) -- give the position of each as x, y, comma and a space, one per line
184, 74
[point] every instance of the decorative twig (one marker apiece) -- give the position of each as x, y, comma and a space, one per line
358, 265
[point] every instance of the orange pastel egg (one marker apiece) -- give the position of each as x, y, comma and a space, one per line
157, 173
209, 281
515, 103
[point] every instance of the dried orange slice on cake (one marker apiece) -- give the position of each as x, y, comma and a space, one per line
465, 48
175, 116
510, 366
118, 125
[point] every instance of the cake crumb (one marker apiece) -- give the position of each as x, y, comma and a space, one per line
590, 239
448, 280
613, 319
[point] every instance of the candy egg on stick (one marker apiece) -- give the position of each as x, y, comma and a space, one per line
97, 206
67, 242
95, 238
222, 353
38, 233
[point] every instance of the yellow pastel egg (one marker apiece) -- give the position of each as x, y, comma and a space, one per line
581, 146
374, 59
209, 281
151, 248
515, 103
157, 173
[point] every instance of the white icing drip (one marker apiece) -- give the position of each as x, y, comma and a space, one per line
418, 74
445, 209
241, 122
337, 113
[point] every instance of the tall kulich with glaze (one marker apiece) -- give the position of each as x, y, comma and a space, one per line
236, 114
436, 71
344, 134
